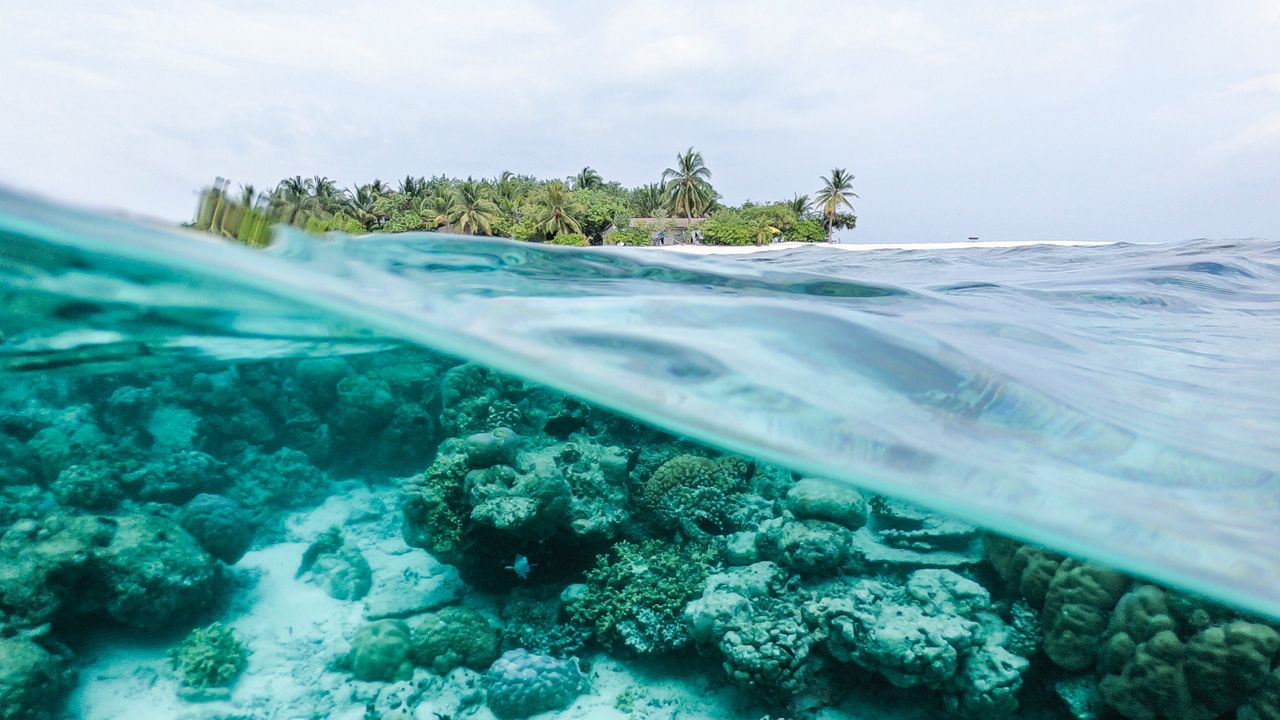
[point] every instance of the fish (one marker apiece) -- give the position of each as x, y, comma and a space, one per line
521, 567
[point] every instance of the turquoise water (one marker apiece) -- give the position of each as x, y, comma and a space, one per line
1115, 403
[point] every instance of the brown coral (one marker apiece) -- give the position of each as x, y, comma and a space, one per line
1077, 605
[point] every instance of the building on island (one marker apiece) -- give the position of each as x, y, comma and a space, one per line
670, 231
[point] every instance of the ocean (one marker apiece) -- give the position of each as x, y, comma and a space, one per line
425, 476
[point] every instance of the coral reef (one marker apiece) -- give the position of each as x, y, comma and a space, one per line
381, 650
542, 625
126, 501
520, 684
143, 572
558, 503
209, 657
635, 598
219, 525
35, 675
455, 637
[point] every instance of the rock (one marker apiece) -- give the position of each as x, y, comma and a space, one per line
740, 548
144, 572
496, 447
810, 547
33, 679
410, 584
821, 499
335, 567
1081, 696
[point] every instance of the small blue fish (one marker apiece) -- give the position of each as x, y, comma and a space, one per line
520, 567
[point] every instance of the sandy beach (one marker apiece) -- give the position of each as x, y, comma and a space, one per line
863, 247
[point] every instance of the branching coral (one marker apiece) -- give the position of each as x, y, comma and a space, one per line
635, 599
209, 657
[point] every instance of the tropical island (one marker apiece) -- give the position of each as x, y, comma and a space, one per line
682, 207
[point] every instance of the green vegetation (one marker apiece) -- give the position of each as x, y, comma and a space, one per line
687, 186
528, 208
577, 239
835, 193
209, 657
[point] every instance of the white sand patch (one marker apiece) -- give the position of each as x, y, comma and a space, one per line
864, 247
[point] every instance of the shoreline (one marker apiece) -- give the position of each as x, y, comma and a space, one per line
865, 247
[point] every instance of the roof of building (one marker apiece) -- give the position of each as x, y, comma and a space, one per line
665, 222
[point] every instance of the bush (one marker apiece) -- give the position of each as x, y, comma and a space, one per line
575, 239
630, 237
807, 231
526, 229
728, 227
404, 222
602, 210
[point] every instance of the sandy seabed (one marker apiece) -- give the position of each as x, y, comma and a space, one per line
294, 631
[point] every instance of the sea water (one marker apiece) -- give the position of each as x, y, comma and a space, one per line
433, 476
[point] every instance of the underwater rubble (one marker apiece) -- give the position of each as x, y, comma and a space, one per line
519, 552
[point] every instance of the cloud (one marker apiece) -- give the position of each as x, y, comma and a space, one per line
1003, 120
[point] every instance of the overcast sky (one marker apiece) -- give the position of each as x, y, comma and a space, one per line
1107, 120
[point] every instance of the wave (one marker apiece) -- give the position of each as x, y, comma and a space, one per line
1113, 401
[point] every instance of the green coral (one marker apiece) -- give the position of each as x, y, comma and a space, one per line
455, 637
381, 651
693, 495
209, 657
635, 599
1150, 671
1077, 606
536, 626
434, 506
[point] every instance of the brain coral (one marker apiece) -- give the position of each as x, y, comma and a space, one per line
455, 637
520, 684
218, 524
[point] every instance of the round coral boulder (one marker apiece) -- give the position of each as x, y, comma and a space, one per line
520, 684
455, 637
219, 525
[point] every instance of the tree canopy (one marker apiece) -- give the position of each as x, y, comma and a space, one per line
525, 207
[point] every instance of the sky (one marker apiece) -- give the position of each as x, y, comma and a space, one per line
1091, 120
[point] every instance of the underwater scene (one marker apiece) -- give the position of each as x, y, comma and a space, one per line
441, 478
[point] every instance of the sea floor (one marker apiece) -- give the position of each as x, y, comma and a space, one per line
296, 631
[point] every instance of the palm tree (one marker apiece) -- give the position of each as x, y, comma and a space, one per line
293, 201
435, 208
360, 204
688, 186
472, 211
648, 199
555, 212
587, 179
835, 193
800, 205
412, 186
509, 196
